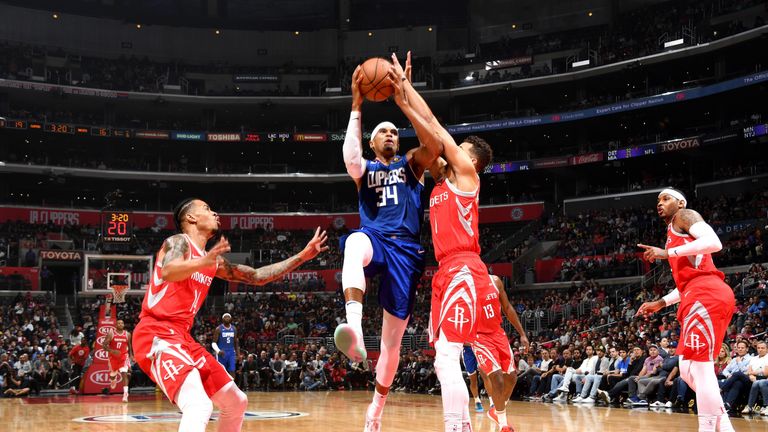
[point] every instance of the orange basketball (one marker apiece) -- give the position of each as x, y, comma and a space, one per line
374, 85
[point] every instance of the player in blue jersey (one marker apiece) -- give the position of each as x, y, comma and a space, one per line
387, 243
225, 344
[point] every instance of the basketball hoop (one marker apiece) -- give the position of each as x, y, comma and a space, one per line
118, 293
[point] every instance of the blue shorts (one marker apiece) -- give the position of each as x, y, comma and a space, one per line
400, 264
227, 359
470, 361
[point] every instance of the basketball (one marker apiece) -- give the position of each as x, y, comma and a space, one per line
374, 85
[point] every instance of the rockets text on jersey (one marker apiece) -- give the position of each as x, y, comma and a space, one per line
453, 217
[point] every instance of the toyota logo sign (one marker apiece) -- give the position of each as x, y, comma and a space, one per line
101, 355
101, 377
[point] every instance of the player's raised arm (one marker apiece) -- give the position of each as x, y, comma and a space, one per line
264, 275
173, 258
430, 142
459, 160
352, 148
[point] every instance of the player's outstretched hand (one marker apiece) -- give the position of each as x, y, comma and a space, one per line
221, 247
653, 253
648, 308
357, 96
396, 79
315, 245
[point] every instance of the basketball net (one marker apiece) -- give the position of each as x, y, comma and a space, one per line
118, 293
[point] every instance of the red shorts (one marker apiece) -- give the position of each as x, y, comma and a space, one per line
167, 353
493, 352
459, 281
119, 363
706, 308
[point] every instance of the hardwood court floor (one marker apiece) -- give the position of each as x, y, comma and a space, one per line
332, 412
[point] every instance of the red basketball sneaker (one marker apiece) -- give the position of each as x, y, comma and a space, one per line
492, 415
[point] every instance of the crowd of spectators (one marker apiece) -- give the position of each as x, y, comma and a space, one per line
34, 355
636, 34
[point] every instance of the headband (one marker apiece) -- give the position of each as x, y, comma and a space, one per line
382, 125
226, 315
674, 194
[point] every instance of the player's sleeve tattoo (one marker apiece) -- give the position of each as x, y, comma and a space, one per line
688, 217
175, 247
256, 276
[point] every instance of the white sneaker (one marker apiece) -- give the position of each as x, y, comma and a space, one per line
668, 404
562, 397
764, 411
588, 400
747, 410
125, 397
350, 343
563, 389
577, 399
657, 404
372, 424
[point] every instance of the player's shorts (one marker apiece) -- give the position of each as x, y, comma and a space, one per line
706, 308
119, 364
470, 361
167, 353
400, 264
493, 352
227, 359
459, 281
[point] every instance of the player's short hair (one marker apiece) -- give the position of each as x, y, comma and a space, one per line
482, 151
180, 210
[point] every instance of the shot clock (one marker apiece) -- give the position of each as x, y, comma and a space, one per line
116, 226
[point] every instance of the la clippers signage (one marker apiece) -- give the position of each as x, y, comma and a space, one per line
61, 255
97, 374
248, 221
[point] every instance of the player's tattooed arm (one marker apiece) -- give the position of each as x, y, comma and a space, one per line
264, 275
175, 247
256, 276
685, 218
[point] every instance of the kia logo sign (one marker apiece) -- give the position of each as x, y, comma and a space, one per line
101, 355
103, 330
101, 378
100, 340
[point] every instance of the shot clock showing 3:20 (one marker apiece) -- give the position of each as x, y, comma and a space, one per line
116, 227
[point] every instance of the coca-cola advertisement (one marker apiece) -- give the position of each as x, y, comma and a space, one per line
587, 158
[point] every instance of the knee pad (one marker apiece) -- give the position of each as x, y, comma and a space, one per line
447, 365
195, 406
358, 252
704, 382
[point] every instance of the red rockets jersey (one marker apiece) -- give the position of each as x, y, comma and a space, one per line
453, 216
120, 342
489, 309
687, 268
178, 302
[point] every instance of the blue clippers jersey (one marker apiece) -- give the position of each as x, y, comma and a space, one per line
226, 340
390, 199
